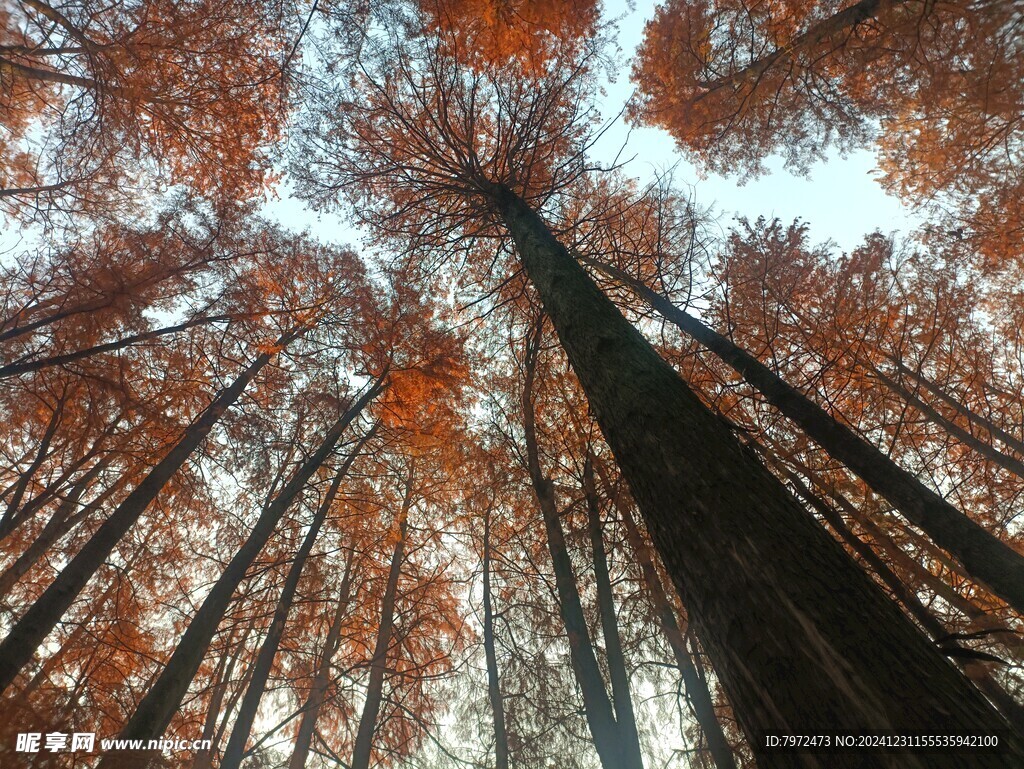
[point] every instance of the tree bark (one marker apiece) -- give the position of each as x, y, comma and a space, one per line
767, 588
490, 653
322, 679
363, 747
984, 555
157, 707
233, 752
622, 698
613, 747
28, 633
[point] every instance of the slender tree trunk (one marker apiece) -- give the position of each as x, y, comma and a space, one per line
322, 679
613, 748
235, 748
8, 521
984, 555
157, 707
225, 669
363, 748
491, 655
64, 518
621, 696
992, 454
25, 367
1008, 440
839, 23
28, 633
766, 586
696, 687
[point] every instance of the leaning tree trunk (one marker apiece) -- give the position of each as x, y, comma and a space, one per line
614, 747
985, 556
1011, 442
233, 752
157, 707
1009, 463
363, 748
28, 633
767, 588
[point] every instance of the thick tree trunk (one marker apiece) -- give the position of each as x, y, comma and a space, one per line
235, 748
695, 685
613, 747
157, 707
363, 748
767, 588
984, 555
322, 678
491, 655
622, 698
28, 633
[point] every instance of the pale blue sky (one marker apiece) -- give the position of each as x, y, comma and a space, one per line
840, 200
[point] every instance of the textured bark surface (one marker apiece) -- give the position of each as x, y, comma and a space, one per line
984, 555
778, 604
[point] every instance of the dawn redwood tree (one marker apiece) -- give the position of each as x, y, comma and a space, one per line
194, 92
735, 81
475, 154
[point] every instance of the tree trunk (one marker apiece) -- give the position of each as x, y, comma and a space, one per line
621, 695
24, 367
64, 518
767, 588
379, 661
225, 669
157, 707
992, 454
984, 555
696, 687
28, 633
841, 22
1012, 443
322, 679
613, 747
235, 748
490, 653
